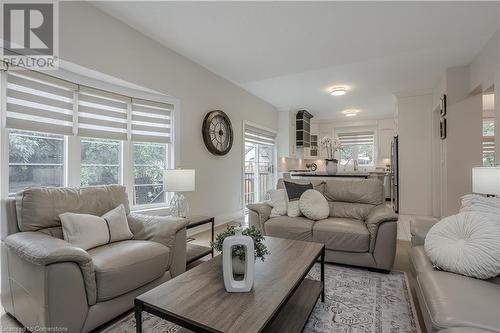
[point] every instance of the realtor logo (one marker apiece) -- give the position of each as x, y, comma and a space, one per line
29, 34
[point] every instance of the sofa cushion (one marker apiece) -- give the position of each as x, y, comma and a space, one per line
299, 228
357, 211
365, 191
318, 185
341, 234
124, 266
419, 261
453, 300
39, 207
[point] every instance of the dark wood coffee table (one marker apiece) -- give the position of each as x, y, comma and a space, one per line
281, 300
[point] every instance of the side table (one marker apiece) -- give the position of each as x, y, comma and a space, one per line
194, 251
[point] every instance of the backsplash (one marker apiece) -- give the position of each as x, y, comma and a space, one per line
286, 164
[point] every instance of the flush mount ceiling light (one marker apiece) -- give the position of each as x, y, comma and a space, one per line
351, 112
338, 91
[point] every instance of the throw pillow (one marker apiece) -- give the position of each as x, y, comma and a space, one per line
277, 200
313, 205
118, 224
294, 191
467, 244
88, 231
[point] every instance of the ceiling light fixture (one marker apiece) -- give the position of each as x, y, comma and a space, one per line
338, 91
350, 114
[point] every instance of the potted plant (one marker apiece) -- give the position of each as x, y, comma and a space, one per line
239, 251
331, 145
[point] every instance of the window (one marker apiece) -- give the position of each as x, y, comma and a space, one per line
100, 162
357, 147
489, 142
150, 159
259, 162
117, 137
35, 159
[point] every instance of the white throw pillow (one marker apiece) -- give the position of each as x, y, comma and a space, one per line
88, 231
278, 200
314, 205
467, 244
118, 224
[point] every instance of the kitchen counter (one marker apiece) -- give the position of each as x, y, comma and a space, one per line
340, 175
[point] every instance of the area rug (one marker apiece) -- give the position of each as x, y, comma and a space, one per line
356, 301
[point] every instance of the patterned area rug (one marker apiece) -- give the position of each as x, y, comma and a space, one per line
357, 301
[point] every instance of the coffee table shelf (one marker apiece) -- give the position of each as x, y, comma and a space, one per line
294, 315
281, 300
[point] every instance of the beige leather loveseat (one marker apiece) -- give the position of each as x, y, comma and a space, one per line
449, 302
361, 229
48, 282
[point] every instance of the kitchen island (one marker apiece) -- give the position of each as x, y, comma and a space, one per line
324, 175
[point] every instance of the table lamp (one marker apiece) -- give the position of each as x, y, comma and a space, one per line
179, 180
486, 180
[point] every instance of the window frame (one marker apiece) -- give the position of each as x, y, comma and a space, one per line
359, 129
72, 143
486, 138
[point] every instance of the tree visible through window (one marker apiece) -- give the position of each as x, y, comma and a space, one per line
489, 142
100, 160
357, 146
150, 159
35, 159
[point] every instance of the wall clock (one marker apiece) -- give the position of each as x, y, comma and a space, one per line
217, 132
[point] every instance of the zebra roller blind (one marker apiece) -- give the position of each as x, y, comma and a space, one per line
151, 121
42, 103
37, 102
102, 114
360, 138
257, 135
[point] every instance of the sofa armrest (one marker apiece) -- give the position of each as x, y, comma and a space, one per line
262, 211
167, 230
377, 216
43, 250
381, 213
419, 227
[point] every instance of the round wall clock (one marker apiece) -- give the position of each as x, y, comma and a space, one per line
217, 133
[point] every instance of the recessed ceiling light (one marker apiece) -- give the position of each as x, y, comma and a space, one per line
350, 111
338, 91
350, 114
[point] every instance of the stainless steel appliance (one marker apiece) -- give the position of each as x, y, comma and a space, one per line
395, 174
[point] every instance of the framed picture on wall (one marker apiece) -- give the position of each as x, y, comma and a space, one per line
442, 106
442, 128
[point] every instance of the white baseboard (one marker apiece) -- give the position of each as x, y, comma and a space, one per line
219, 220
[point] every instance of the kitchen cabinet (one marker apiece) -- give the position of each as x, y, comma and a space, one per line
286, 134
303, 129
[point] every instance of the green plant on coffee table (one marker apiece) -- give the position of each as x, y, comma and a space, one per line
239, 251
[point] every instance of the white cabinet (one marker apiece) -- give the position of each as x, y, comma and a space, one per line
384, 143
286, 134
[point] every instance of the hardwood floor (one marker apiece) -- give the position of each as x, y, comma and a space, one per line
401, 263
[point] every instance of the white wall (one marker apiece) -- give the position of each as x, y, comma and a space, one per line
415, 154
95, 40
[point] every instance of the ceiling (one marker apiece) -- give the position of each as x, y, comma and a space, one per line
291, 53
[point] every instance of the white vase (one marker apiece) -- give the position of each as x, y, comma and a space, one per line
229, 265
331, 166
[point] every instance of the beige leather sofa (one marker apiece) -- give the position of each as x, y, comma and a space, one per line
361, 229
47, 282
449, 302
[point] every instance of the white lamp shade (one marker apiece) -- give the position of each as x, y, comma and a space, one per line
179, 180
486, 180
